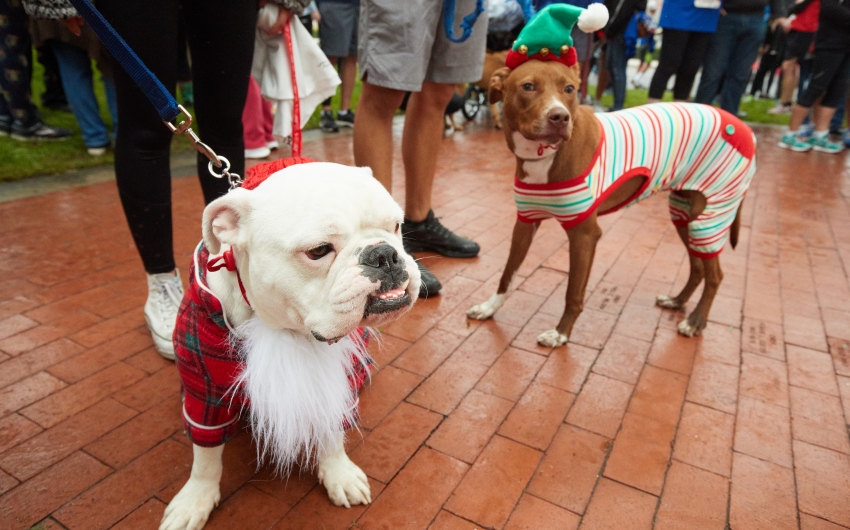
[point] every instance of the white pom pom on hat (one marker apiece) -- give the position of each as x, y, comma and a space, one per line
594, 18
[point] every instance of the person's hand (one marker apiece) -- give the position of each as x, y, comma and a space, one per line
316, 16
781, 21
74, 24
283, 16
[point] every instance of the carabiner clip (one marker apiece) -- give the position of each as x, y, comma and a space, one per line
185, 127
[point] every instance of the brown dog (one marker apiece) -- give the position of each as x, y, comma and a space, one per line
565, 155
492, 62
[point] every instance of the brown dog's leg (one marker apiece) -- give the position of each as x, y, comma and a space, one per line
697, 320
583, 239
520, 243
695, 278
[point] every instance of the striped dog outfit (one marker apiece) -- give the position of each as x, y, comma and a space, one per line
676, 146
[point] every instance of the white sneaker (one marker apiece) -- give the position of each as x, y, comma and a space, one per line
260, 152
165, 292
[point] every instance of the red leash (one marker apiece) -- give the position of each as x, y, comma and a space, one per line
296, 102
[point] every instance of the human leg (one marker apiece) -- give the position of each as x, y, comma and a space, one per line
750, 36
723, 44
221, 68
617, 69
373, 135
77, 80
672, 53
348, 76
695, 50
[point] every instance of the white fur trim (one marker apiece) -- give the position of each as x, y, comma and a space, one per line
299, 391
594, 18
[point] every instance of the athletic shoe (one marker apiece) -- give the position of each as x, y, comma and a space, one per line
38, 131
793, 142
165, 292
430, 285
431, 235
780, 108
5, 125
345, 118
825, 145
260, 152
98, 151
806, 130
846, 137
328, 123
274, 144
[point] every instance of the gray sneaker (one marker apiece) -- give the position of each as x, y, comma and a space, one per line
328, 123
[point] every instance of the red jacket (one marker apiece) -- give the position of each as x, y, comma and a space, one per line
209, 366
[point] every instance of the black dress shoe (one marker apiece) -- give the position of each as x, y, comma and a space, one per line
38, 131
431, 235
430, 285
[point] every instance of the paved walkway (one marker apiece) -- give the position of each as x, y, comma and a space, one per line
466, 424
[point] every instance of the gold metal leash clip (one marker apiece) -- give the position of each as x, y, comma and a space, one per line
185, 127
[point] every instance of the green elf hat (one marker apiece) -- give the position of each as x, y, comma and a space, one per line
547, 36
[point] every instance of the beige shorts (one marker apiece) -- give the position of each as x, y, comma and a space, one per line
403, 43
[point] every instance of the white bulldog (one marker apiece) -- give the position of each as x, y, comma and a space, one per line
315, 253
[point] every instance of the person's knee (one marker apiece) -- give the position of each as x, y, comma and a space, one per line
435, 95
379, 101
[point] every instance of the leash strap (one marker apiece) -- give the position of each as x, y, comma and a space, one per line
466, 25
296, 101
159, 96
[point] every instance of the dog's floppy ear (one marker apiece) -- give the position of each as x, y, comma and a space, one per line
224, 219
497, 82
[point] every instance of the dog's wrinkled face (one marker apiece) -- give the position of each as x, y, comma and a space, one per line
540, 101
318, 247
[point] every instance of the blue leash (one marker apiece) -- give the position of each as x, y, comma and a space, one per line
469, 20
159, 96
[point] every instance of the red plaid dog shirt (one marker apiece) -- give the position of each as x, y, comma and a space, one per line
209, 366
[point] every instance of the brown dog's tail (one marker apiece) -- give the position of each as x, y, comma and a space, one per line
736, 226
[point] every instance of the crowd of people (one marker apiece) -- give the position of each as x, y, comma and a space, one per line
808, 42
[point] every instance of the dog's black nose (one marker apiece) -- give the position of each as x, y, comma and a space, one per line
558, 116
381, 256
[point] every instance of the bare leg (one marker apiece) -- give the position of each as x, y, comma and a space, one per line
191, 507
821, 116
697, 320
423, 134
583, 239
520, 243
798, 114
346, 483
789, 81
373, 131
348, 76
694, 279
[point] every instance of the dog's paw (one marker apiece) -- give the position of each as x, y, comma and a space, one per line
346, 483
486, 309
552, 338
690, 329
662, 300
191, 507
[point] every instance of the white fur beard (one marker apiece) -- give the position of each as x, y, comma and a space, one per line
299, 392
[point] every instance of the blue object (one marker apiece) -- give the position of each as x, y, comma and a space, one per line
159, 96
449, 20
684, 15
527, 9
77, 80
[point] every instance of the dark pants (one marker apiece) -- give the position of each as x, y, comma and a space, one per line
15, 64
729, 59
615, 57
221, 39
682, 53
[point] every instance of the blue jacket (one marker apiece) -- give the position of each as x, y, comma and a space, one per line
683, 15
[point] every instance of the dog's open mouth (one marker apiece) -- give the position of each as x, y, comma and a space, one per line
388, 300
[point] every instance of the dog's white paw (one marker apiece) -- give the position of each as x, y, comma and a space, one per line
346, 483
485, 310
191, 507
552, 338
687, 329
662, 300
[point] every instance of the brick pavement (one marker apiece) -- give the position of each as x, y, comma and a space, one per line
466, 424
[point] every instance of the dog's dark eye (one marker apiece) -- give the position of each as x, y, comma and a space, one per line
570, 89
528, 87
320, 252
